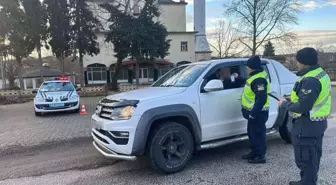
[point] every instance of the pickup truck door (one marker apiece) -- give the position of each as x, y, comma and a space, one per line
275, 87
273, 110
221, 111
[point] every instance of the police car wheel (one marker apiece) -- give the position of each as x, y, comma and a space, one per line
77, 110
38, 114
284, 132
171, 147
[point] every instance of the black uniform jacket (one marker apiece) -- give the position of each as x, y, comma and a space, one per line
308, 90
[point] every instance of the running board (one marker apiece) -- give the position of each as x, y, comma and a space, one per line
222, 142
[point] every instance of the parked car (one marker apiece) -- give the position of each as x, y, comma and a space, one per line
182, 112
56, 96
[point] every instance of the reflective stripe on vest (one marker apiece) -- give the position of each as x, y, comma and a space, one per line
322, 106
248, 96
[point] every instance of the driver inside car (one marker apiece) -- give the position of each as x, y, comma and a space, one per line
230, 81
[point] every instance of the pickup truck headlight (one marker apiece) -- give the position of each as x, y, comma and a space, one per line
122, 113
39, 99
73, 97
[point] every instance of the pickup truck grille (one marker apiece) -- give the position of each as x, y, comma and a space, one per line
106, 112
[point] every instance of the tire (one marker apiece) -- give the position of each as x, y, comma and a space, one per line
38, 113
285, 131
171, 147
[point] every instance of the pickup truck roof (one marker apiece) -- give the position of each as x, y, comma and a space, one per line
228, 60
284, 75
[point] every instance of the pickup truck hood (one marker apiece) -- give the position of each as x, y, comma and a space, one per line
147, 93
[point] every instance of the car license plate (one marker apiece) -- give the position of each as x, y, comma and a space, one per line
57, 105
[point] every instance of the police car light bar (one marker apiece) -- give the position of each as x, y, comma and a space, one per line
62, 78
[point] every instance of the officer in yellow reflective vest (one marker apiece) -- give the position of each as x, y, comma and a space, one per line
255, 104
309, 107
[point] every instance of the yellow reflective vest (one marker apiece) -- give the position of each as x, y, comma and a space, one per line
248, 96
322, 106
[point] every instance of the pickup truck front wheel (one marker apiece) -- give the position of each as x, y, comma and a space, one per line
171, 147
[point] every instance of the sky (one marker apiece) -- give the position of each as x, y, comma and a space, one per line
317, 20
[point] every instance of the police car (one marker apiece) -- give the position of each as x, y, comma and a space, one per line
56, 96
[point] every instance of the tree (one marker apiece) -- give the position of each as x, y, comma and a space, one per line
225, 40
60, 29
148, 38
36, 18
140, 38
14, 27
260, 21
11, 69
120, 36
84, 28
269, 49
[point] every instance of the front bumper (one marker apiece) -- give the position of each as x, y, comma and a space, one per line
108, 139
45, 107
110, 154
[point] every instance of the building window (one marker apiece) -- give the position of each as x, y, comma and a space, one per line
184, 46
96, 73
123, 74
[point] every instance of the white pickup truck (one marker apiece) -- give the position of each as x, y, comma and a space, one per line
182, 112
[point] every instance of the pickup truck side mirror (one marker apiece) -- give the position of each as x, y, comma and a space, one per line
214, 85
34, 91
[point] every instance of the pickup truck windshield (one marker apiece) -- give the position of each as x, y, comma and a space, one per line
56, 86
182, 76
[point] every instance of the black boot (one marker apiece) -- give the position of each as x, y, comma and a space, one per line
294, 183
257, 160
248, 156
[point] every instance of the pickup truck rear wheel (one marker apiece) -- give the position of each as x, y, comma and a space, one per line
284, 131
171, 147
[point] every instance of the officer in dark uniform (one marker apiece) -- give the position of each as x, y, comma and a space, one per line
255, 105
309, 107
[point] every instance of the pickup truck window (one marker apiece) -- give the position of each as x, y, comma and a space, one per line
266, 69
225, 73
182, 76
263, 66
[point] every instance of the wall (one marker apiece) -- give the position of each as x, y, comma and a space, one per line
173, 17
106, 55
175, 48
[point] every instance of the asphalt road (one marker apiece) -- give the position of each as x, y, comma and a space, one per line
78, 163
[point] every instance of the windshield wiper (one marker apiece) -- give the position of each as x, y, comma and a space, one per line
166, 85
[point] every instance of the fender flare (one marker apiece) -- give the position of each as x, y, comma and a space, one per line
148, 117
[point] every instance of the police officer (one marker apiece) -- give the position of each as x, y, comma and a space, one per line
255, 105
309, 107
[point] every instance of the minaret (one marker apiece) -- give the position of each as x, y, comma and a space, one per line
202, 48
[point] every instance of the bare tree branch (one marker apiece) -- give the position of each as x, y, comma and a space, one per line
263, 20
225, 40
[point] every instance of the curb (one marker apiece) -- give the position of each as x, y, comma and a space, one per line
12, 149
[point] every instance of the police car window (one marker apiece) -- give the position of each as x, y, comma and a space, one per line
56, 86
225, 74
